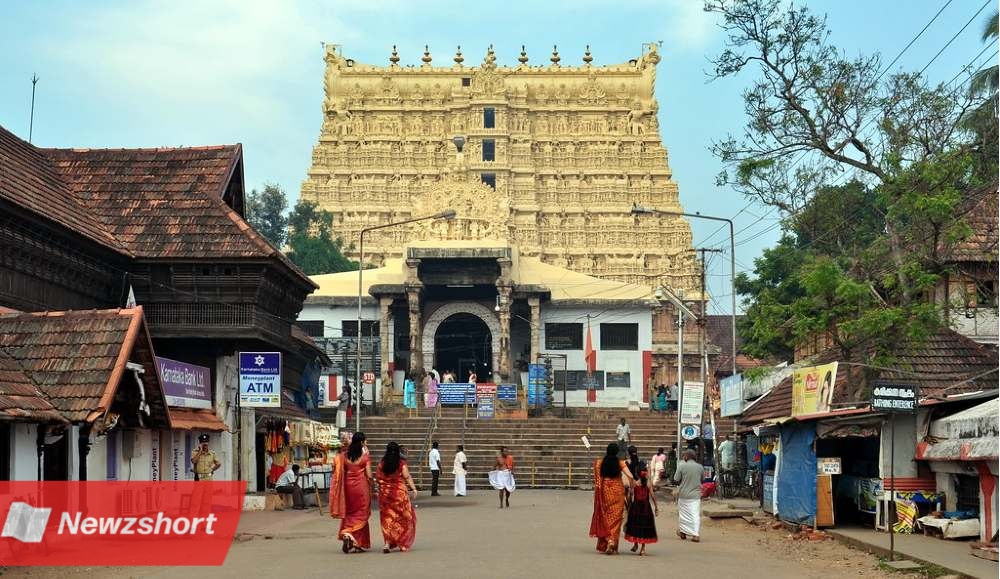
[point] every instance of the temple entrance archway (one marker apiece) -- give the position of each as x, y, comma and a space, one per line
463, 342
467, 333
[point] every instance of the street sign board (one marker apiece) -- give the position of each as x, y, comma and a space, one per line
893, 397
368, 378
507, 392
829, 465
692, 402
260, 379
689, 432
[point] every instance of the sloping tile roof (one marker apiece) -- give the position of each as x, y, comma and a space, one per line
19, 398
166, 203
196, 419
288, 410
980, 212
29, 180
143, 203
940, 366
74, 358
160, 202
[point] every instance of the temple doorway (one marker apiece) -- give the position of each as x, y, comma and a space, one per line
463, 342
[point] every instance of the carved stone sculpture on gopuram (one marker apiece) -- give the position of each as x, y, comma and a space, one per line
554, 157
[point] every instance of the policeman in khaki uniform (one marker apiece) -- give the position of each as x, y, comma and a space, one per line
204, 461
205, 464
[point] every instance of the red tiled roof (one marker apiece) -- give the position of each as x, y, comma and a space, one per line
167, 202
144, 203
980, 212
20, 399
29, 180
938, 365
196, 419
289, 409
160, 202
77, 358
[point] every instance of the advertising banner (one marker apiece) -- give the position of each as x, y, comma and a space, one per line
260, 379
812, 389
693, 402
185, 385
63, 523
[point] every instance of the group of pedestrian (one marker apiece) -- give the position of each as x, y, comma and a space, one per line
459, 469
351, 497
623, 496
352, 482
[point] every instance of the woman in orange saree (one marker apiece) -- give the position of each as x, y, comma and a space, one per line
396, 513
350, 495
609, 500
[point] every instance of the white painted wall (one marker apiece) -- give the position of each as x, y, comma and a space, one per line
608, 361
24, 454
224, 444
906, 446
332, 316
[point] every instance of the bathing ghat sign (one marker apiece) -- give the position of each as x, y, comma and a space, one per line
890, 397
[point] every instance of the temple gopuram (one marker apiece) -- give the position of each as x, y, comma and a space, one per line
549, 158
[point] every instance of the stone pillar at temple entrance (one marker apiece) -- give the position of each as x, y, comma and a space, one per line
504, 287
533, 303
384, 338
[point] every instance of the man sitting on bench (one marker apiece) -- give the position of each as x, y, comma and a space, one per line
288, 483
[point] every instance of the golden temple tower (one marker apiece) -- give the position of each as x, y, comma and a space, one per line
554, 157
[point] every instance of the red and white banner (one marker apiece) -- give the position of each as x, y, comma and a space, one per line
118, 523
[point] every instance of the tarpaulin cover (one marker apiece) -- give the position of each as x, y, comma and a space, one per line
797, 474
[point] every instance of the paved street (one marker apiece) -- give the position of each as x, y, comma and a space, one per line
544, 534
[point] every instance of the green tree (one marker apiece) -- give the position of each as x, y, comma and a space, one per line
858, 261
312, 245
982, 120
266, 213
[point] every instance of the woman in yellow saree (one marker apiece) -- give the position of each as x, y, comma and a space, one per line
609, 500
399, 520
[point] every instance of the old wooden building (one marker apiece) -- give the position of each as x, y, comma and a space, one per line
159, 232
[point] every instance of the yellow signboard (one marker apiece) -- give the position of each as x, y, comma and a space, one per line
812, 389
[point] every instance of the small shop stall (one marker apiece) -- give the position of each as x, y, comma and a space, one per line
307, 443
961, 450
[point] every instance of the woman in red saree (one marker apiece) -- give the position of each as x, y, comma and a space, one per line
350, 495
609, 500
399, 520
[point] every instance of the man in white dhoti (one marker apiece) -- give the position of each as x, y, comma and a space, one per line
688, 479
502, 477
459, 470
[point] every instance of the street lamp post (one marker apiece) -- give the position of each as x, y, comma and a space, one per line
446, 214
640, 210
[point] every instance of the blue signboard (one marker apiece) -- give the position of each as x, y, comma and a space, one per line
456, 393
536, 385
260, 379
507, 392
486, 401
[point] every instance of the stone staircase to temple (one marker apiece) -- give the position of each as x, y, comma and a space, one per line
548, 451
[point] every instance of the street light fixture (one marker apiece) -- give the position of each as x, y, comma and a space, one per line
640, 210
446, 214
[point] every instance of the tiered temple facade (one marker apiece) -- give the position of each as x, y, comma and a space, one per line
554, 157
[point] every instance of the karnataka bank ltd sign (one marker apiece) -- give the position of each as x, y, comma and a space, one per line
69, 523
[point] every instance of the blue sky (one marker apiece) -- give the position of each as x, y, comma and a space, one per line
188, 72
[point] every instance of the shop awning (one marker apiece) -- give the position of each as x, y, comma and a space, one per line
971, 434
196, 419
